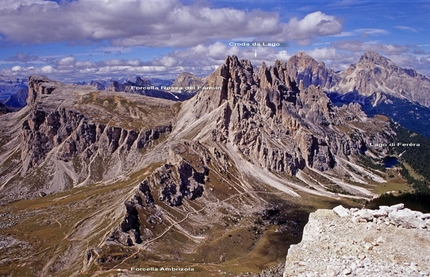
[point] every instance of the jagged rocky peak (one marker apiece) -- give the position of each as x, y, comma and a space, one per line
303, 60
276, 123
302, 67
376, 59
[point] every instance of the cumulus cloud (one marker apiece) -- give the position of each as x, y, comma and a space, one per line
335, 59
311, 26
150, 23
328, 53
129, 22
201, 60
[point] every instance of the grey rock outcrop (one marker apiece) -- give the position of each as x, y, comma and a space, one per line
128, 86
37, 86
373, 75
362, 242
376, 83
169, 184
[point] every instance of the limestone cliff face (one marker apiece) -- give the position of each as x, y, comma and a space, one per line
73, 135
188, 80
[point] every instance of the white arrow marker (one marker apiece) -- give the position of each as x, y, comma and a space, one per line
255, 53
402, 153
174, 95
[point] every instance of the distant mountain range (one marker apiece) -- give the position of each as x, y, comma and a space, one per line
376, 83
13, 91
176, 90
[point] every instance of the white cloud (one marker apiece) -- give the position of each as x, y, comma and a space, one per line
67, 61
371, 31
200, 60
47, 69
150, 23
311, 26
421, 64
16, 68
336, 60
363, 32
406, 28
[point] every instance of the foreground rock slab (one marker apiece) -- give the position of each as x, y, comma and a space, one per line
391, 241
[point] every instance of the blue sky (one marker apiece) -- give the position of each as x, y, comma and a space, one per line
82, 40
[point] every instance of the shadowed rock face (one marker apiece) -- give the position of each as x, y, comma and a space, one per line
4, 109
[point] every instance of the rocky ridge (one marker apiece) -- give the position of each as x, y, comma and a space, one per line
362, 242
248, 121
146, 87
375, 75
59, 143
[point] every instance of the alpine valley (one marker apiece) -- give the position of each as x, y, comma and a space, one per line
105, 183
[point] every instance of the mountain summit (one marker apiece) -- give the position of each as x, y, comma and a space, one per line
304, 68
376, 75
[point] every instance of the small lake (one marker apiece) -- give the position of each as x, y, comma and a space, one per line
390, 161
